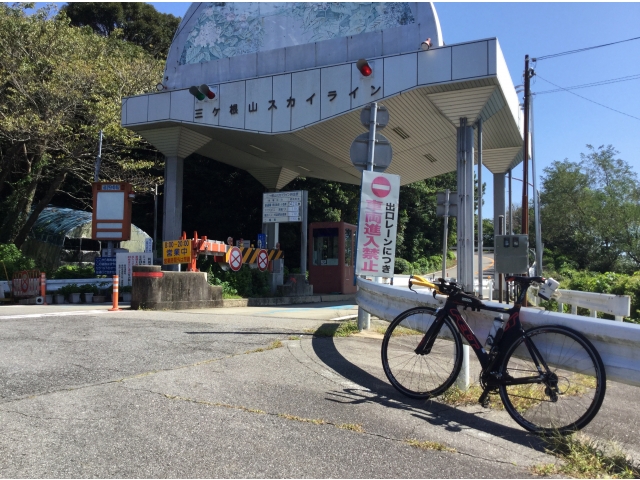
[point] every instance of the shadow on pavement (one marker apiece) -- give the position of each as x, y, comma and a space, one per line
437, 414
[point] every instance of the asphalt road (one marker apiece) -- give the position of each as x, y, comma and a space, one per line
199, 394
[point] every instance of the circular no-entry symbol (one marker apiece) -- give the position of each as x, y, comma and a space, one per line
263, 260
235, 259
380, 187
24, 282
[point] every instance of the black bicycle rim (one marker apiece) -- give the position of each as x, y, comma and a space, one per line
420, 376
568, 396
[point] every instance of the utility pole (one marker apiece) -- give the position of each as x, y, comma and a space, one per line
528, 73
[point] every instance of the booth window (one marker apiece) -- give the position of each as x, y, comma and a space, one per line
325, 246
348, 248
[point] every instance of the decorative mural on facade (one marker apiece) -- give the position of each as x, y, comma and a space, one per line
227, 29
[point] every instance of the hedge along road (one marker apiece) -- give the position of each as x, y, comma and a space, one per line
213, 394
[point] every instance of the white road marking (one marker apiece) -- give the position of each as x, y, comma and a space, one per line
54, 314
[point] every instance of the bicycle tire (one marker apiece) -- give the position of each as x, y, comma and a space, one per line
420, 376
579, 387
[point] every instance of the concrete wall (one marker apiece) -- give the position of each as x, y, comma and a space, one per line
154, 289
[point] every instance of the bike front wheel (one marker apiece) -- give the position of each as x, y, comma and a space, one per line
554, 380
420, 375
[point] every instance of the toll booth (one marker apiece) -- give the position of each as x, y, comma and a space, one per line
331, 259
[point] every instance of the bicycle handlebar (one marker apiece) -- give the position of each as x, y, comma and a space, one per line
448, 288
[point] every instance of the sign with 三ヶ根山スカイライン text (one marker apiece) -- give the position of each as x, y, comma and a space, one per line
176, 251
377, 224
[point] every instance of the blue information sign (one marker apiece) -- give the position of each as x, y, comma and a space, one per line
105, 265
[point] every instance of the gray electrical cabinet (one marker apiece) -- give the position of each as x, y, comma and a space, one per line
511, 253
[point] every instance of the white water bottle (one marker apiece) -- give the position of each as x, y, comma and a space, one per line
495, 333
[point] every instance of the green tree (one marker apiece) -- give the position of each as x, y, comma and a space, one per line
420, 231
590, 211
139, 23
61, 85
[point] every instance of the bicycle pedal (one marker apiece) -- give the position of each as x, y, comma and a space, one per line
484, 398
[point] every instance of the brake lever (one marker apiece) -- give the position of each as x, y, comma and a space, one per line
411, 284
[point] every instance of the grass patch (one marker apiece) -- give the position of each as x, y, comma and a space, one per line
315, 421
397, 332
457, 397
231, 296
523, 397
354, 427
427, 445
343, 329
587, 458
273, 345
294, 337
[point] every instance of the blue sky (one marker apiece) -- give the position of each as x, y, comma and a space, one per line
564, 124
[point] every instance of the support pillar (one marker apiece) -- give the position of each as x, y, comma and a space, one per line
498, 199
465, 205
498, 219
172, 216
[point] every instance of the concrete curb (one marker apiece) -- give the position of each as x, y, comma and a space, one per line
274, 301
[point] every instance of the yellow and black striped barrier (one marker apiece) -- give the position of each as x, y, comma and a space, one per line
250, 255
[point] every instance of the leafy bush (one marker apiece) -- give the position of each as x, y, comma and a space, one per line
247, 282
89, 289
66, 290
402, 267
421, 266
74, 271
609, 282
13, 260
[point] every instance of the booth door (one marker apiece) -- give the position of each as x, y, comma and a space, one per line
349, 249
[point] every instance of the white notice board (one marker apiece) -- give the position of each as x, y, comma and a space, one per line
125, 263
282, 207
377, 224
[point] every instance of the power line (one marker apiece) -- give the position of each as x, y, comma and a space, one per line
544, 57
594, 84
585, 98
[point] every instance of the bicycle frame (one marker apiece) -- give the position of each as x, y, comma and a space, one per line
512, 328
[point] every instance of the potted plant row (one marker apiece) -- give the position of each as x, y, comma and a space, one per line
73, 292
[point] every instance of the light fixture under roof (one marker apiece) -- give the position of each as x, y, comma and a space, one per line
404, 135
304, 168
258, 148
431, 158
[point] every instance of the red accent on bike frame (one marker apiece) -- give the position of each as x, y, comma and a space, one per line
511, 322
464, 329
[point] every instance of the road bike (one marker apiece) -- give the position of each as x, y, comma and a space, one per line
550, 378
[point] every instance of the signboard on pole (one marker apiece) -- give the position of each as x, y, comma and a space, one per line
111, 218
378, 224
282, 207
176, 251
358, 152
105, 265
235, 258
441, 208
125, 263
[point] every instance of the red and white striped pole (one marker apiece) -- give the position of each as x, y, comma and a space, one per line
114, 295
43, 287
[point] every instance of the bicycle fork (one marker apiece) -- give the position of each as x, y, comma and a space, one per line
429, 338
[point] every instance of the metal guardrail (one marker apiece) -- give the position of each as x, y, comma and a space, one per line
617, 305
618, 343
55, 285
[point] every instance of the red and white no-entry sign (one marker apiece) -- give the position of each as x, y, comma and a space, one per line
380, 187
263, 260
235, 259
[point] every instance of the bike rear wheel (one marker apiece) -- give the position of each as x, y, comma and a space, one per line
421, 376
566, 395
